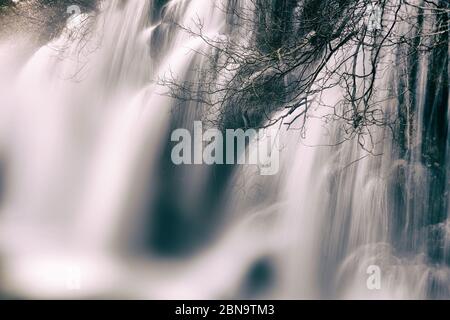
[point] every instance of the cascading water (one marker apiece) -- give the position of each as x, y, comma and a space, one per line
72, 190
92, 206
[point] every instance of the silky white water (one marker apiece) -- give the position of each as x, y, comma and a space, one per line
84, 125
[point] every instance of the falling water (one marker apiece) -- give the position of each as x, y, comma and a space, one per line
91, 206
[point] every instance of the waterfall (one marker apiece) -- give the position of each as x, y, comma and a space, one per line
91, 204
90, 125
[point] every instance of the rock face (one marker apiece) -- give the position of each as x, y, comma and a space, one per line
44, 19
